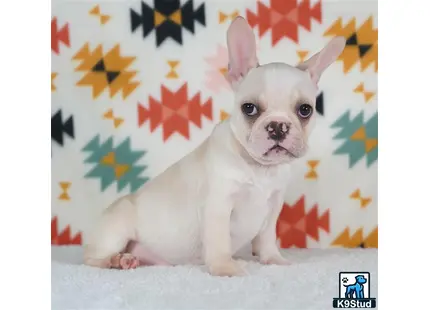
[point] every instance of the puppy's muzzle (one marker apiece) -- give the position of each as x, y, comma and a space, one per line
277, 131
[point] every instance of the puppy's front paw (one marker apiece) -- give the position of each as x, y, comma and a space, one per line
275, 260
230, 268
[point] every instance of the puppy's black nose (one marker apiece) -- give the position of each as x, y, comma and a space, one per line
277, 130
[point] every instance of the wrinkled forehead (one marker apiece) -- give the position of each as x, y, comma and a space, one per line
277, 85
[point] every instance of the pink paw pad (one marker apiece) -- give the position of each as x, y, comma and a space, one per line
124, 261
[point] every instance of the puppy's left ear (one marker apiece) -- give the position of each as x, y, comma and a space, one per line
318, 63
241, 50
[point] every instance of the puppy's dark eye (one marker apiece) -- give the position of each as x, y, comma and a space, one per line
304, 111
249, 109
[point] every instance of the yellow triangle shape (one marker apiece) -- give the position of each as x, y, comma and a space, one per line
365, 201
120, 170
368, 96
108, 114
172, 75
356, 239
117, 122
222, 17
355, 195
335, 29
343, 238
311, 175
128, 88
53, 76
64, 196
95, 10
83, 53
313, 163
371, 240
158, 18
302, 55
359, 88
173, 63
104, 19
176, 17
360, 134
223, 115
370, 144
109, 159
64, 185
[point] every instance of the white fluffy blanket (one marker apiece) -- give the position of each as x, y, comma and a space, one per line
311, 282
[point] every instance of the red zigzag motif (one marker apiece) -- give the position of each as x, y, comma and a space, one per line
294, 224
59, 36
63, 237
174, 112
284, 17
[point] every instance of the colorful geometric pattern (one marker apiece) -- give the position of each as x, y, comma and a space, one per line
115, 164
295, 225
64, 190
130, 77
59, 36
103, 18
109, 115
364, 201
172, 74
368, 95
63, 237
312, 173
175, 112
224, 17
361, 43
361, 137
357, 239
167, 19
283, 18
106, 71
60, 128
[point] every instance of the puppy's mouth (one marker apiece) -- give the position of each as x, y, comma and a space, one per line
277, 149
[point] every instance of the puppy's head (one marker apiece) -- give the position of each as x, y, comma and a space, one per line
274, 110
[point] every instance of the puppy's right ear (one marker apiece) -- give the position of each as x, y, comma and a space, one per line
319, 62
241, 50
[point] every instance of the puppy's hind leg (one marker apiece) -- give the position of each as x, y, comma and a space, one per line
110, 237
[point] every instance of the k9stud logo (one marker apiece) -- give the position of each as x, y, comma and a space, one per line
354, 291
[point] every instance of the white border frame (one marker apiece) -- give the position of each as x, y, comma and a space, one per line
403, 162
25, 154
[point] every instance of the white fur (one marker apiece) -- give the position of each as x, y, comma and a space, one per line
225, 194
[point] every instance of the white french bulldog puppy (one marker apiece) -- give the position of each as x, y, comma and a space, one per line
229, 191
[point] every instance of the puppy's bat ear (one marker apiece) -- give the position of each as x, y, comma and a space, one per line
319, 62
241, 50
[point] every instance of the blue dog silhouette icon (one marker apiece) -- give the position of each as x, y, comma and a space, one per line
356, 289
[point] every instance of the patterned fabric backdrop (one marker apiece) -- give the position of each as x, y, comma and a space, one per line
136, 85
